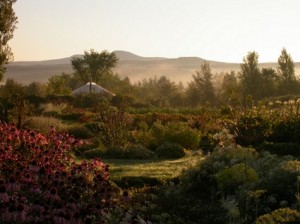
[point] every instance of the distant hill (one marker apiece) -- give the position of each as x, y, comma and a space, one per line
130, 65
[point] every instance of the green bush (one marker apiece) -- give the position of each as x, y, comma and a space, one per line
252, 130
283, 148
93, 153
281, 215
201, 178
169, 150
80, 132
137, 152
231, 178
72, 116
278, 175
175, 132
127, 152
182, 134
51, 114
139, 181
286, 130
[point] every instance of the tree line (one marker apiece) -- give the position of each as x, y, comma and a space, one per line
249, 84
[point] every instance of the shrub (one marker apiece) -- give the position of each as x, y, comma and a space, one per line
175, 132
231, 178
286, 130
169, 150
182, 134
137, 152
43, 124
79, 131
138, 181
201, 178
87, 145
72, 116
251, 130
113, 126
127, 152
283, 148
281, 215
93, 153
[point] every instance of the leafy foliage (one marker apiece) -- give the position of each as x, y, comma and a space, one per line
170, 150
235, 176
8, 21
280, 216
126, 152
201, 89
93, 65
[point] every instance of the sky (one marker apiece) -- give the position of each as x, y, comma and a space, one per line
219, 30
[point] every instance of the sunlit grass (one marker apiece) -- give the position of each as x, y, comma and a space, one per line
43, 123
161, 170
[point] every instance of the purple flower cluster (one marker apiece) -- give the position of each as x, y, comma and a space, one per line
40, 182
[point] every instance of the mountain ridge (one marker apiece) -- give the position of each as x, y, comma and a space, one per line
130, 65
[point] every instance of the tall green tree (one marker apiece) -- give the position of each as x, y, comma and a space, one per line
230, 89
8, 21
286, 73
201, 89
92, 65
269, 79
250, 77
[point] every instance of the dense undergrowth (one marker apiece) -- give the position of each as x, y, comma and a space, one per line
250, 172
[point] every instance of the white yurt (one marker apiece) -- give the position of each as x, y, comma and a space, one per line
91, 87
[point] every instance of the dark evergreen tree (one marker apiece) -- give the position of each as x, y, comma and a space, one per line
201, 89
230, 89
250, 77
286, 73
268, 85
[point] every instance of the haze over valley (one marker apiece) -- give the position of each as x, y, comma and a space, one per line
129, 65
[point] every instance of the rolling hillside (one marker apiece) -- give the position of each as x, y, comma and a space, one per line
133, 66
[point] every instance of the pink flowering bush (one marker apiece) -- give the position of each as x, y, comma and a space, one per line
40, 182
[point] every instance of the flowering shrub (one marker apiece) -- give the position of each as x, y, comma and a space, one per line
40, 182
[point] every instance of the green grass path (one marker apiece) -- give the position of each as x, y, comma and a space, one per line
162, 170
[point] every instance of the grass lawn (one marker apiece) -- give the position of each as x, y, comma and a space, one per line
148, 172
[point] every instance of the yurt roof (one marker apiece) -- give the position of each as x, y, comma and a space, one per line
93, 88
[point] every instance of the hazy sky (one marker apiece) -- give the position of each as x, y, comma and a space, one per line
221, 30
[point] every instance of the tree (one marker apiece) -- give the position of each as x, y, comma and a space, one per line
14, 105
8, 21
201, 89
11, 88
286, 72
268, 85
58, 85
230, 89
250, 77
92, 65
35, 89
166, 91
161, 92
